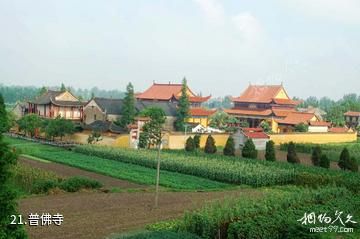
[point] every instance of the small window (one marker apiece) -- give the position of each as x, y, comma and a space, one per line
94, 116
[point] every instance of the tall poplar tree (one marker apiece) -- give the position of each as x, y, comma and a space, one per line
128, 109
183, 108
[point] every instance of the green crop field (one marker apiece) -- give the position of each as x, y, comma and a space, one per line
233, 170
331, 150
276, 215
113, 168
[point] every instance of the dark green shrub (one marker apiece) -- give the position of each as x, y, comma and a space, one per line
190, 145
270, 151
210, 146
197, 141
74, 184
301, 127
291, 155
229, 149
44, 186
316, 155
324, 161
344, 159
249, 150
353, 165
160, 235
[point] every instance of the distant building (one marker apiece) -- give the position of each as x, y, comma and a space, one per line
20, 109
352, 119
171, 93
269, 103
256, 134
52, 104
103, 109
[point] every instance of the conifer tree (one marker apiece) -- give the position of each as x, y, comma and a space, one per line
229, 148
291, 154
197, 141
344, 159
190, 145
128, 109
324, 161
62, 88
316, 155
270, 151
249, 150
183, 108
210, 146
353, 165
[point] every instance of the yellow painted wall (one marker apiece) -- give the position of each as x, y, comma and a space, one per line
203, 121
315, 138
123, 141
177, 141
281, 95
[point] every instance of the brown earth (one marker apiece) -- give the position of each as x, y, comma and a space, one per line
97, 215
67, 171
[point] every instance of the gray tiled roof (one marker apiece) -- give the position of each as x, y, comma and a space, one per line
49, 97
168, 107
110, 106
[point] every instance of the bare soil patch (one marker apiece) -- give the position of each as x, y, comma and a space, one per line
97, 215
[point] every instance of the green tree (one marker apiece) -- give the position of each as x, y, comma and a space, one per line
42, 90
7, 194
62, 87
30, 123
4, 119
229, 148
344, 159
59, 127
210, 147
265, 126
190, 145
353, 165
197, 141
270, 151
94, 137
291, 154
128, 110
316, 155
302, 127
222, 120
249, 150
324, 161
182, 113
143, 140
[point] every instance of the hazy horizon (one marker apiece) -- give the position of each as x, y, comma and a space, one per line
312, 46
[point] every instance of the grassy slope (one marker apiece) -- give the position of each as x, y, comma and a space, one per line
113, 168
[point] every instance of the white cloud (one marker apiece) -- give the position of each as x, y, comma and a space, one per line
213, 10
248, 25
343, 11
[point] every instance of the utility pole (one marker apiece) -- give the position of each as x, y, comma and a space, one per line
157, 176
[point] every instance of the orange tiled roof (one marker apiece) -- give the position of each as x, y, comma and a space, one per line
339, 130
166, 92
247, 111
259, 93
286, 102
160, 92
282, 112
352, 113
296, 118
320, 123
201, 112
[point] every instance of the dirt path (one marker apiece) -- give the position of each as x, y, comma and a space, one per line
67, 171
97, 215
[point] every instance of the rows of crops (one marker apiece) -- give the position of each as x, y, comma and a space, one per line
332, 151
116, 169
276, 215
230, 171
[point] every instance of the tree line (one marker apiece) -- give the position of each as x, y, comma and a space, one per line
334, 109
13, 94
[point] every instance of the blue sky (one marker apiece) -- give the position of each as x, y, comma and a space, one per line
312, 46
